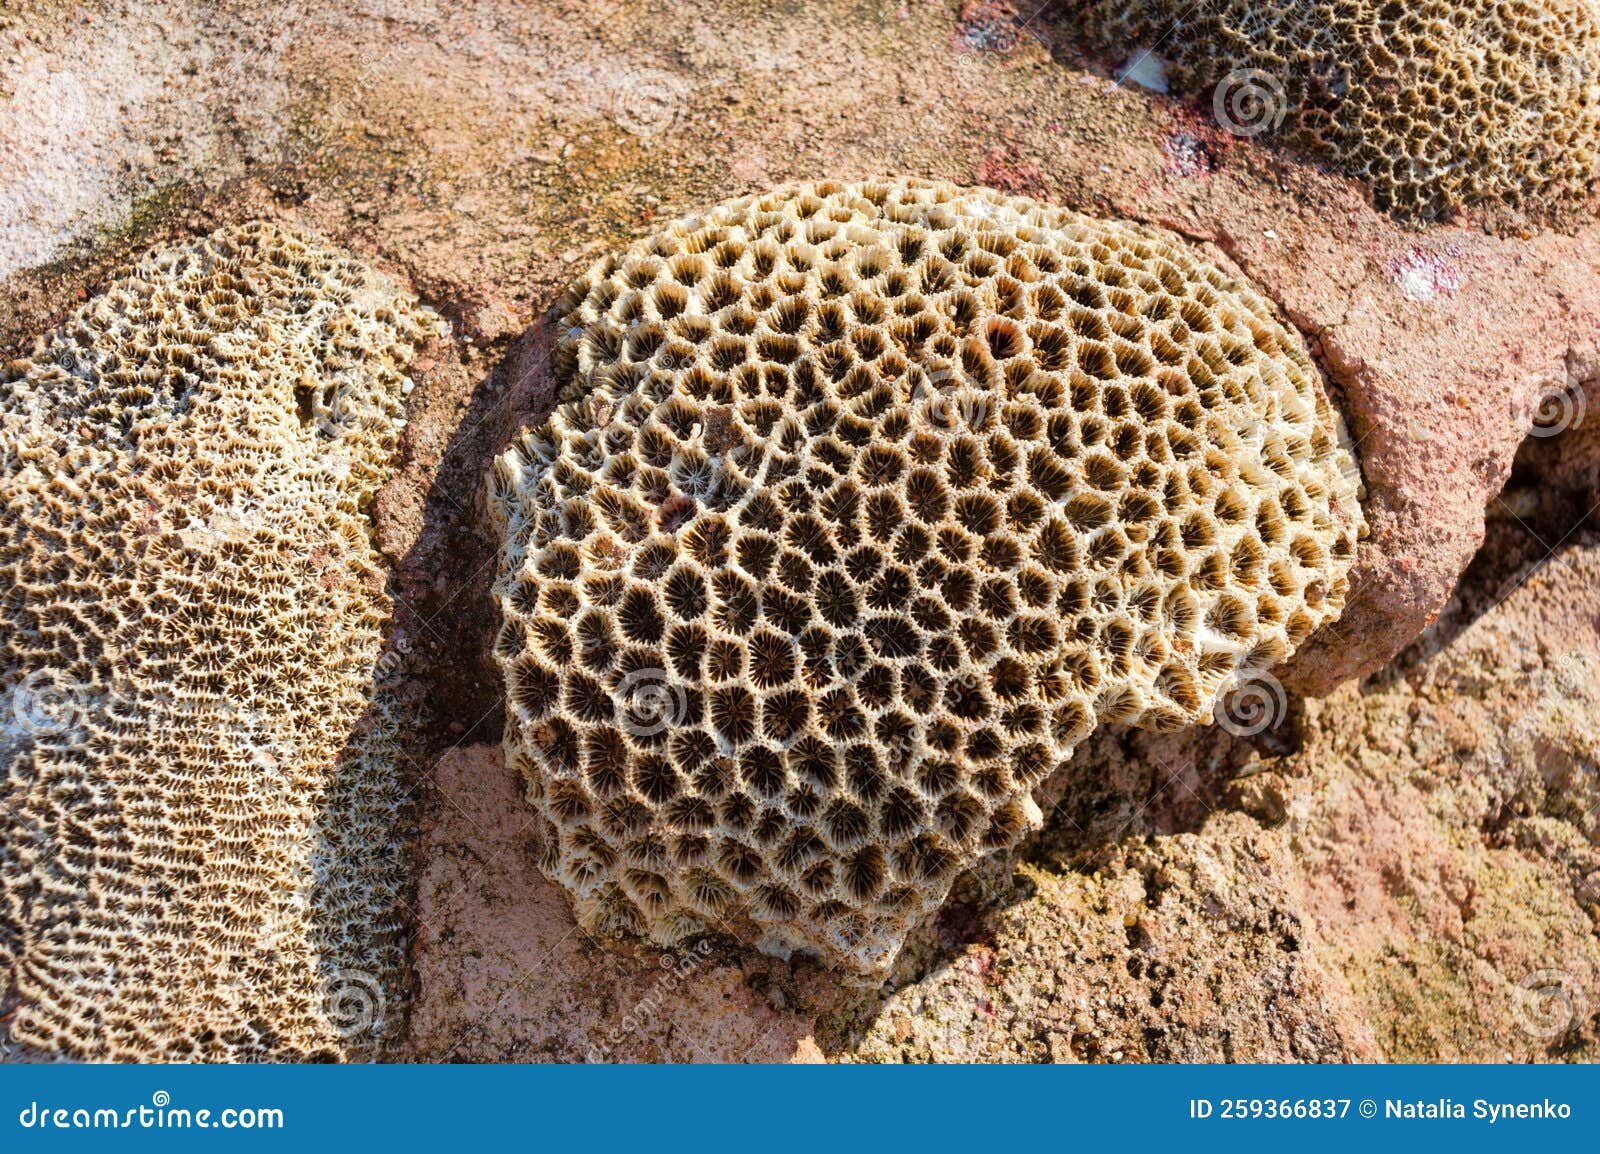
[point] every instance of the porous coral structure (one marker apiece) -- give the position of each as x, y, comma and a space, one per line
199, 850
863, 505
1437, 104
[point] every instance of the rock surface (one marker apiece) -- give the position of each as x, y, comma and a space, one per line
1344, 900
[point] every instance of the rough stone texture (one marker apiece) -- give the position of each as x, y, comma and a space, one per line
487, 151
1563, 451
1455, 858
1438, 425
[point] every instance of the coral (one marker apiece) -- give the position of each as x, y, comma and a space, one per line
864, 504
1437, 105
1423, 884
199, 853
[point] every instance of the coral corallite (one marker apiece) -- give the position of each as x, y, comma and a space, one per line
1438, 104
861, 506
200, 834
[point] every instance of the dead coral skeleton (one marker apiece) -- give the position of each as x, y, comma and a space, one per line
863, 505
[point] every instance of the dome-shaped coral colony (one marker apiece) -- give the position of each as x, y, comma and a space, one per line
864, 504
199, 856
1437, 104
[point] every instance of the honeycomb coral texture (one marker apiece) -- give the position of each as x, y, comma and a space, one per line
864, 504
199, 854
1437, 104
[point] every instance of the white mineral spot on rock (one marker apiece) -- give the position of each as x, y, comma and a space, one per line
1423, 276
1145, 69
